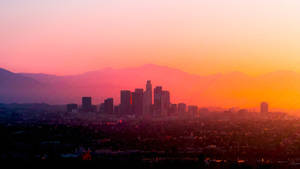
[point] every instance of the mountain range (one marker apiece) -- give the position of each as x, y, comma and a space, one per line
281, 89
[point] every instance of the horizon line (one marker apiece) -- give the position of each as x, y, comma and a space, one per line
157, 65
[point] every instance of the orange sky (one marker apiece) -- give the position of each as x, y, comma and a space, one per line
200, 37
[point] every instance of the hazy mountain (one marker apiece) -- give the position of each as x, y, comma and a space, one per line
281, 89
13, 80
17, 88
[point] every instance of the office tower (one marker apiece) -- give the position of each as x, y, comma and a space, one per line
109, 105
173, 109
137, 101
101, 108
165, 102
147, 100
192, 110
86, 104
72, 108
181, 108
264, 107
116, 109
157, 100
93, 108
125, 102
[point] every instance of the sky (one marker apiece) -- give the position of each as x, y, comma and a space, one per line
197, 36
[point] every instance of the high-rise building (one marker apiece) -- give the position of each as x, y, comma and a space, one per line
72, 108
173, 109
161, 101
192, 110
125, 102
116, 109
147, 100
109, 105
264, 107
101, 108
87, 104
157, 100
137, 101
165, 102
181, 108
93, 108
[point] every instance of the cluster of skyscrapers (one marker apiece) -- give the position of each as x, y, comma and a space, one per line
142, 102
138, 102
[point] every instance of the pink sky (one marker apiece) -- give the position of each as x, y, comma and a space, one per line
200, 37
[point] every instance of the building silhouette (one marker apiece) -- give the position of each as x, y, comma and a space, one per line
109, 105
264, 107
165, 102
125, 102
87, 104
72, 108
157, 100
161, 101
192, 110
116, 109
101, 108
173, 109
181, 108
147, 100
137, 101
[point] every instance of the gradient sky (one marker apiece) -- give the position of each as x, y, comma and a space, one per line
198, 36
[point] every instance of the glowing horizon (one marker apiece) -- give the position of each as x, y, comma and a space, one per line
205, 37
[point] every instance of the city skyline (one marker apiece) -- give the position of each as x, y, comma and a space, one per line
230, 90
150, 83
140, 102
234, 53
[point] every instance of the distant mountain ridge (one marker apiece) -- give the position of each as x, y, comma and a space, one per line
9, 79
281, 89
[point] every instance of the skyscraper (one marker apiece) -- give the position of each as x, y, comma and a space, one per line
116, 109
161, 101
147, 100
87, 104
137, 101
181, 108
165, 102
109, 105
173, 109
157, 100
192, 110
264, 107
101, 108
125, 102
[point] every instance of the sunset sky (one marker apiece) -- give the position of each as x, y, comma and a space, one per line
197, 36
